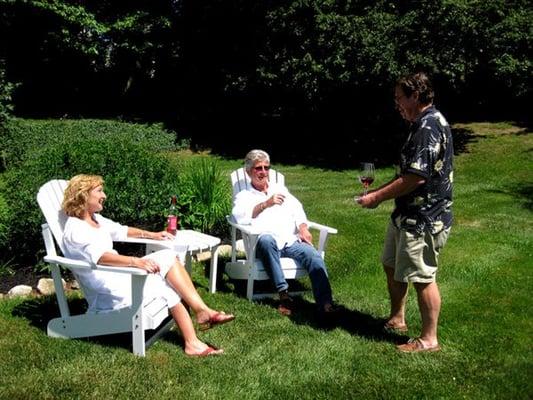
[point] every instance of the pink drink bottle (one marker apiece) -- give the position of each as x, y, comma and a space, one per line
172, 219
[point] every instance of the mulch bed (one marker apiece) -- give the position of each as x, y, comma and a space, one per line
21, 276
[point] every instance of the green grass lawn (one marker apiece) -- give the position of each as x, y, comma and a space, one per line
485, 328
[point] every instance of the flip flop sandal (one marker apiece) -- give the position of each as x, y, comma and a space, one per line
216, 319
210, 351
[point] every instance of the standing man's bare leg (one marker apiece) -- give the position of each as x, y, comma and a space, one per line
429, 304
398, 296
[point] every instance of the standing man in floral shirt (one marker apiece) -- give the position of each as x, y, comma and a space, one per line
421, 221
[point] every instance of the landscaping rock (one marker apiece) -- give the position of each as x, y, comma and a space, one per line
225, 249
74, 285
45, 286
20, 290
206, 255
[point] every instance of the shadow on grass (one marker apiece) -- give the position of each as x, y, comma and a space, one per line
462, 137
352, 321
38, 311
524, 191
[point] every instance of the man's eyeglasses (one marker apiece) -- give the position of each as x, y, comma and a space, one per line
259, 168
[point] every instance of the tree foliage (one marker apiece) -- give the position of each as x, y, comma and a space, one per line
317, 46
281, 68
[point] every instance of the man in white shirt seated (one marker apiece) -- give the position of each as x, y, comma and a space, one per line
283, 223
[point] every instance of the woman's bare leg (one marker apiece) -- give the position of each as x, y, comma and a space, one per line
178, 277
193, 345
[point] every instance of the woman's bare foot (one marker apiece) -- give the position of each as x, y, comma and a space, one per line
201, 349
208, 318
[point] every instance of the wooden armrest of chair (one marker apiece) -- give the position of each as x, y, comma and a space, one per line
80, 265
323, 238
162, 243
321, 227
247, 229
149, 243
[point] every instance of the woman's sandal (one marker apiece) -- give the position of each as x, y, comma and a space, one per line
218, 318
210, 351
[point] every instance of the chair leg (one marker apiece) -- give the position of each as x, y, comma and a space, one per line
138, 339
213, 271
250, 288
137, 322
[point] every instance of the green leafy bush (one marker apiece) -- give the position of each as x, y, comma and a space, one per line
6, 261
23, 137
137, 184
4, 217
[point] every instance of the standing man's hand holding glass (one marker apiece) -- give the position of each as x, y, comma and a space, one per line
366, 176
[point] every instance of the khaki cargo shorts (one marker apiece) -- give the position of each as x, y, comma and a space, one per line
414, 258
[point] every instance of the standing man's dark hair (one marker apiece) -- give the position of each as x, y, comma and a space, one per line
420, 83
422, 217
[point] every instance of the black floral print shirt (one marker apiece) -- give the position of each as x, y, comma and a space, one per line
428, 152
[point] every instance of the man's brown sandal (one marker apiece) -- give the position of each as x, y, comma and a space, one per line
415, 345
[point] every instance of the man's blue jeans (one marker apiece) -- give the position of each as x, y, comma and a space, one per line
305, 255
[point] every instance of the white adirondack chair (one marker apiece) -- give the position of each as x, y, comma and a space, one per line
250, 268
137, 318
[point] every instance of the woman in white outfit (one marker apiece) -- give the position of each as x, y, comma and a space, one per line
89, 237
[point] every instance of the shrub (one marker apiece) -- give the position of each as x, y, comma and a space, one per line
6, 262
137, 184
4, 217
24, 137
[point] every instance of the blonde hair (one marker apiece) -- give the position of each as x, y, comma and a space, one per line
77, 193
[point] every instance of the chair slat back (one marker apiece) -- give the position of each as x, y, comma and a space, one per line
240, 179
50, 197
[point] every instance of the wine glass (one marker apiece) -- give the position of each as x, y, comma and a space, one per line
366, 175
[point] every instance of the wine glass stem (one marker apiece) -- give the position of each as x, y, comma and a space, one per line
365, 190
